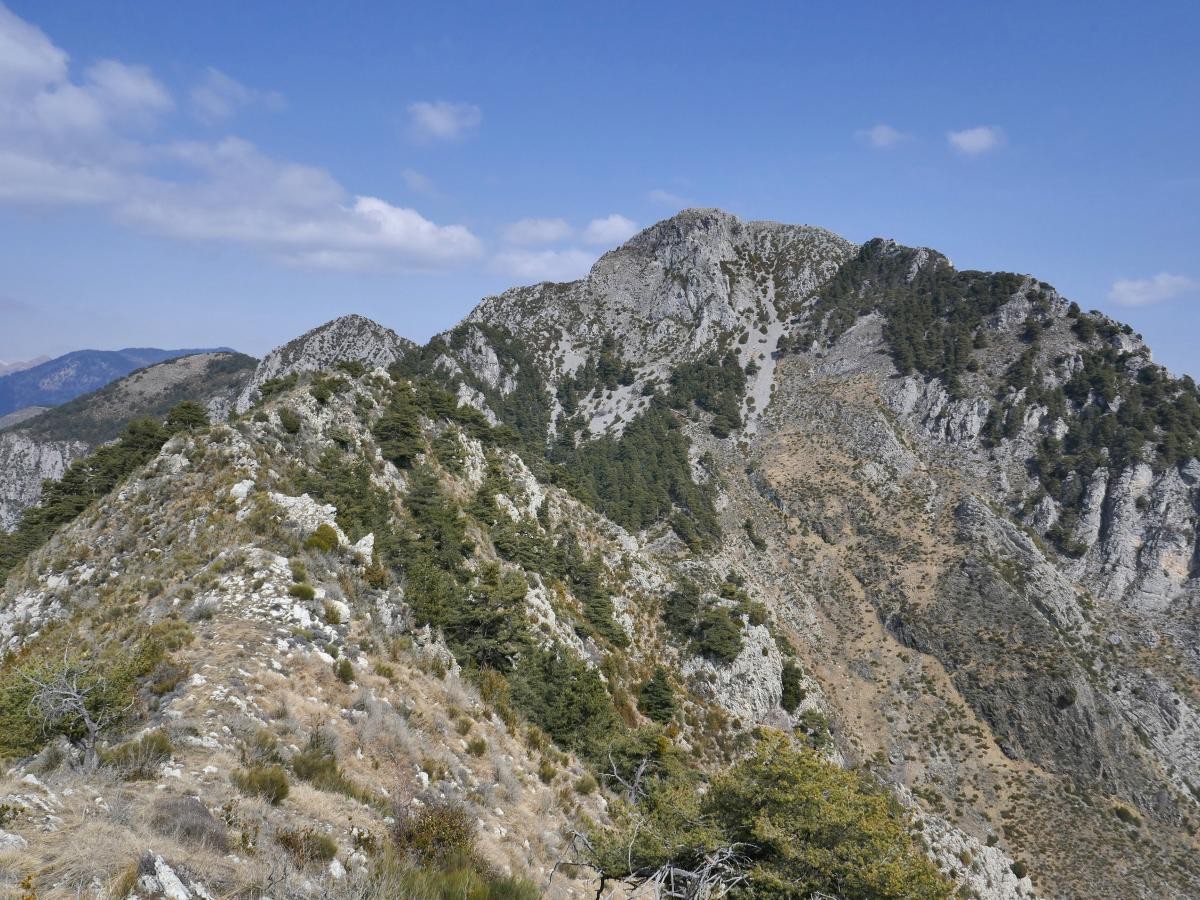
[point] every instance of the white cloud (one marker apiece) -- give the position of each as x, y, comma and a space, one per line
418, 182
666, 198
440, 120
27, 56
66, 142
544, 265
975, 141
882, 136
218, 96
613, 229
1148, 291
247, 197
537, 231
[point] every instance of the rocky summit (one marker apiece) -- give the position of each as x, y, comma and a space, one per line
755, 563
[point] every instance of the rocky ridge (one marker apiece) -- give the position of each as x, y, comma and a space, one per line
348, 338
1014, 653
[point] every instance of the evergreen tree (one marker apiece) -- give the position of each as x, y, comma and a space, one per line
656, 699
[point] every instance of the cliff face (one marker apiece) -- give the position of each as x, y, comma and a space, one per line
24, 464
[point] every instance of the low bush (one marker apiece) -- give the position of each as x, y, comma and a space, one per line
302, 591
806, 827
323, 540
793, 690
437, 836
392, 876
289, 421
306, 845
268, 782
188, 820
139, 759
317, 764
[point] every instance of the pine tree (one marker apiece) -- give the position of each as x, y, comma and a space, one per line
656, 699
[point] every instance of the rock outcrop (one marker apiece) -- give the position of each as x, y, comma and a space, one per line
349, 339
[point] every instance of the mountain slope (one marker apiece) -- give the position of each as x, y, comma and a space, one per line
42, 446
66, 377
947, 464
291, 636
936, 527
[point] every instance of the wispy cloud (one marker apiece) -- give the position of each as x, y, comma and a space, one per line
1149, 291
431, 121
537, 231
68, 141
882, 136
544, 265
218, 96
662, 197
612, 229
418, 182
976, 141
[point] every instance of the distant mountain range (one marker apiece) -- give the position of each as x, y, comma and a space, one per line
64, 378
7, 368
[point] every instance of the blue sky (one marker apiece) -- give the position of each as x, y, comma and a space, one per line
183, 174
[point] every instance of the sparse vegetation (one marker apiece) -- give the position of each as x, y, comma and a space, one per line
268, 782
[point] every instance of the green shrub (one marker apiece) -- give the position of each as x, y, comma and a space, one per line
139, 759
437, 836
325, 386
398, 430
274, 386
302, 591
268, 782
719, 635
260, 749
1127, 815
187, 416
477, 746
455, 882
99, 686
323, 540
807, 826
565, 698
317, 764
1020, 869
306, 845
289, 421
793, 690
344, 670
586, 784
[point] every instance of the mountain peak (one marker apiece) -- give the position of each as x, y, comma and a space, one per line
350, 337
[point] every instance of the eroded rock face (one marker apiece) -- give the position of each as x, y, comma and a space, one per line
24, 464
750, 686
